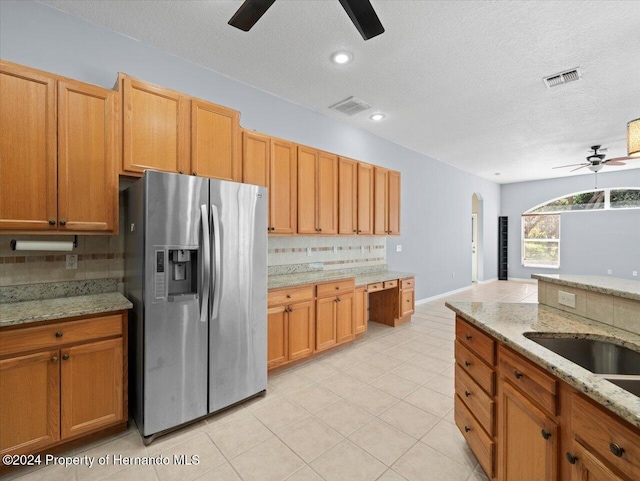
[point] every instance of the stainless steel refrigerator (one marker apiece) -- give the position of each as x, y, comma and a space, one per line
195, 268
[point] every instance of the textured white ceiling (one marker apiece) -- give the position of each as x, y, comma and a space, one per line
460, 81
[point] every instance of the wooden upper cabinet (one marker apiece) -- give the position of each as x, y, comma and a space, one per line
87, 179
394, 203
214, 141
327, 193
282, 187
307, 186
347, 196
155, 133
365, 198
256, 154
28, 167
380, 201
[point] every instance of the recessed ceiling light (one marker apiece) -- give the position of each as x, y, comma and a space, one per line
342, 57
377, 117
497, 173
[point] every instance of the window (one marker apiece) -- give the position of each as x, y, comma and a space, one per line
624, 198
592, 200
541, 240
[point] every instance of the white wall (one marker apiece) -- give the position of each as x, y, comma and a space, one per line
436, 198
590, 242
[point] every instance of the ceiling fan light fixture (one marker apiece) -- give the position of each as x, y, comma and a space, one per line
342, 57
595, 167
377, 117
633, 138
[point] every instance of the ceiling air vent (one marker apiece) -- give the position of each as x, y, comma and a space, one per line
351, 106
562, 78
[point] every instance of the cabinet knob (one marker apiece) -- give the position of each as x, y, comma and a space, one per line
359, 231
467, 393
469, 337
59, 334
354, 230
319, 230
52, 222
545, 434
288, 296
195, 173
467, 363
467, 429
54, 359
65, 357
518, 374
616, 450
337, 288
63, 223
571, 458
181, 172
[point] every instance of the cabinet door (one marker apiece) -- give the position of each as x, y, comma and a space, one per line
327, 193
589, 468
307, 187
394, 203
283, 187
347, 196
92, 386
301, 327
155, 131
28, 197
406, 302
325, 323
30, 402
87, 179
380, 201
365, 198
255, 158
528, 438
214, 141
360, 309
277, 336
345, 321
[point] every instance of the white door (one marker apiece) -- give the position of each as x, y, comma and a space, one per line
474, 247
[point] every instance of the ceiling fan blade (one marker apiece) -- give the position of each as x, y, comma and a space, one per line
617, 162
582, 167
570, 165
364, 17
618, 159
249, 13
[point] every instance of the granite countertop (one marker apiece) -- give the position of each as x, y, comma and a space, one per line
315, 277
14, 313
603, 284
508, 322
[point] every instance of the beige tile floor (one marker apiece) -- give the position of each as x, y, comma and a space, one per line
379, 409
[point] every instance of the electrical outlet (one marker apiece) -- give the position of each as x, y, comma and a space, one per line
567, 299
609, 271
308, 251
72, 261
335, 250
634, 273
399, 248
361, 249
453, 275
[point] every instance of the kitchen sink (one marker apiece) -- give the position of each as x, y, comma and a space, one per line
597, 356
631, 385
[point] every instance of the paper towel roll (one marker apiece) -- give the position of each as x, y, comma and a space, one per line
43, 246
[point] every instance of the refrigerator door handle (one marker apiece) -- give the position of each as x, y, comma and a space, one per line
206, 263
216, 259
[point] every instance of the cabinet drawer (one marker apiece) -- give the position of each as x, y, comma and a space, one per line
604, 435
482, 374
390, 284
530, 379
478, 402
476, 340
334, 288
59, 334
407, 283
479, 442
406, 302
281, 297
378, 286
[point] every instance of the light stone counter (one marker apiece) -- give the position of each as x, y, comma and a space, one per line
509, 322
603, 284
15, 313
315, 277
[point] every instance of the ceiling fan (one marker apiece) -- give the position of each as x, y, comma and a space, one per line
596, 161
360, 12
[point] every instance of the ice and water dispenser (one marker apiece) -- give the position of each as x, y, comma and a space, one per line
177, 274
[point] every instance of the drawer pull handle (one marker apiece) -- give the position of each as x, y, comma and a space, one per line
59, 334
571, 458
517, 374
616, 450
467, 393
65, 357
467, 429
337, 288
54, 359
288, 296
467, 363
337, 299
545, 434
468, 336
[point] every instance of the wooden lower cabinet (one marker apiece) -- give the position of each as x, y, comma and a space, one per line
360, 309
587, 467
528, 438
278, 336
290, 333
345, 322
325, 323
64, 390
407, 302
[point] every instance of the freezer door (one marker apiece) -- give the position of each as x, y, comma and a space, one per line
238, 324
175, 306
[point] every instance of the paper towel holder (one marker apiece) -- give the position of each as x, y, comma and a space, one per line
13, 243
